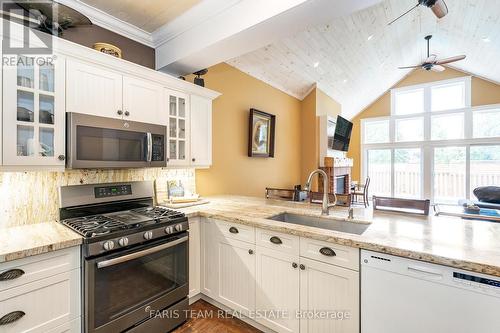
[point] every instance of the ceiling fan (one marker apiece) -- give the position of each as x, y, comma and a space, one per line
431, 63
438, 7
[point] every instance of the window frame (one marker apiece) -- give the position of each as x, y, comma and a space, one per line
427, 145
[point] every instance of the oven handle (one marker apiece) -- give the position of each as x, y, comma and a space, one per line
150, 147
132, 256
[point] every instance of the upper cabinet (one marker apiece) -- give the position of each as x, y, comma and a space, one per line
98, 91
34, 111
178, 128
201, 131
93, 90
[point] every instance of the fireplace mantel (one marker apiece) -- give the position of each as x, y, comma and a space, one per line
336, 168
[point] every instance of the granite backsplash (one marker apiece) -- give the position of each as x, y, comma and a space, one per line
32, 197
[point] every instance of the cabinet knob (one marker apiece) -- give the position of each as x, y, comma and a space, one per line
193, 159
120, 112
168, 159
61, 157
127, 113
302, 267
294, 264
233, 230
250, 251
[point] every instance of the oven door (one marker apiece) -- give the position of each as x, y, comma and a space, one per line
122, 289
99, 142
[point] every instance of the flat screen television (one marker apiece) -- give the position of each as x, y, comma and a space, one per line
342, 136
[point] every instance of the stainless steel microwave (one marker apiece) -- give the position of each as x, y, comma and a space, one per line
100, 142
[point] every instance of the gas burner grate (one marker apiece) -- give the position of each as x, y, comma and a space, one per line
158, 213
96, 225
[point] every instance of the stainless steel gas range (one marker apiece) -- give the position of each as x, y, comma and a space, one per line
134, 257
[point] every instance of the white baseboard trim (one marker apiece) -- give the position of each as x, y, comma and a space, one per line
247, 320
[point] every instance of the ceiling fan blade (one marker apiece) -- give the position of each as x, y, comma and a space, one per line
448, 60
405, 67
400, 16
437, 68
431, 59
440, 9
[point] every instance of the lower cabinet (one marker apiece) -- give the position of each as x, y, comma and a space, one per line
277, 290
194, 256
284, 291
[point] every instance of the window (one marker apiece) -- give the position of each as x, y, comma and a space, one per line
449, 174
486, 123
447, 126
407, 173
376, 131
409, 102
448, 96
409, 129
379, 171
434, 145
484, 166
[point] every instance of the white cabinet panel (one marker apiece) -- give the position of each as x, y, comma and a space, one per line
201, 131
194, 256
277, 241
330, 253
178, 132
143, 101
229, 230
34, 112
93, 90
209, 260
333, 290
46, 303
236, 275
277, 278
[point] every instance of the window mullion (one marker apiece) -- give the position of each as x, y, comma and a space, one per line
467, 172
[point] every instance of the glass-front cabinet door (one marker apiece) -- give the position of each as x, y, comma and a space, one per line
178, 128
33, 111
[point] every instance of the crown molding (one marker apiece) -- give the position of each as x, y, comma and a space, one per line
107, 21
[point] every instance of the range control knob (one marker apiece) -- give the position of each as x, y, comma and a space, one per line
148, 235
108, 245
169, 230
123, 241
178, 227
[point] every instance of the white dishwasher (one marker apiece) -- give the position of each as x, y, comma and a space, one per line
400, 295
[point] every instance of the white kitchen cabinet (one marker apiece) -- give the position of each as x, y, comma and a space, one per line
93, 90
194, 256
33, 112
332, 290
143, 101
201, 131
46, 296
178, 133
209, 259
277, 285
236, 271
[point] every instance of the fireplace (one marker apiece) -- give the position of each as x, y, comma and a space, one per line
339, 175
341, 184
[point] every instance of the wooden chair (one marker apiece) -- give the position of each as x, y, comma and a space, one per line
362, 189
400, 205
279, 193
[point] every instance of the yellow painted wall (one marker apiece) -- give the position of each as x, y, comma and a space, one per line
326, 105
233, 172
483, 93
309, 133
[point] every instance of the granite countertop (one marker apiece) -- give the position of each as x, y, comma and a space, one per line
465, 244
29, 240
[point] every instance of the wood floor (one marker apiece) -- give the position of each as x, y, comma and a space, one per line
205, 319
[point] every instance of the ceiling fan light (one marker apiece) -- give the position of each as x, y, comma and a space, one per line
439, 9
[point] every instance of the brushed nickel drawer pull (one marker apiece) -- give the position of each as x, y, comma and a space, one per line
11, 274
11, 317
233, 230
326, 251
275, 240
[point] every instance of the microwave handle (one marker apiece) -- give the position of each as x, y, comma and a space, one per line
140, 254
150, 147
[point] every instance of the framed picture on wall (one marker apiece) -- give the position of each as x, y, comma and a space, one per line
261, 134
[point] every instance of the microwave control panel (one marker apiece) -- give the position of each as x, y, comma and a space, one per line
158, 148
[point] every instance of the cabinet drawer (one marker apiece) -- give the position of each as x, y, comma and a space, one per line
334, 254
277, 241
46, 304
39, 267
234, 231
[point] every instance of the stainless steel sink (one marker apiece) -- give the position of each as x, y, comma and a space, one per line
322, 222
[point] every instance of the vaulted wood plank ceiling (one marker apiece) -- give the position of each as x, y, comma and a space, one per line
355, 59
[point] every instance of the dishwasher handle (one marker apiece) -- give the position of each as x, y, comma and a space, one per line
425, 272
